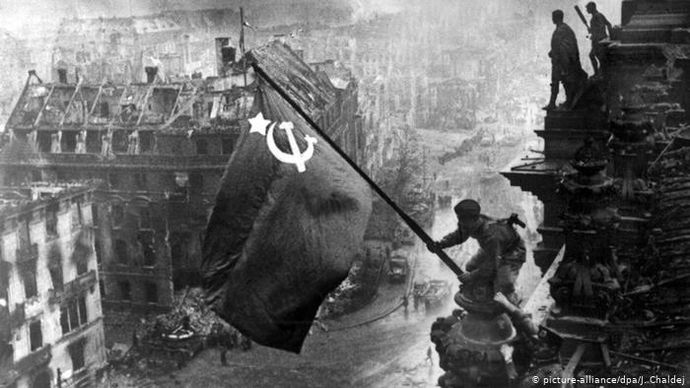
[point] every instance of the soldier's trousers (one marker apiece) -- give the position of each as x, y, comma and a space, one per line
505, 272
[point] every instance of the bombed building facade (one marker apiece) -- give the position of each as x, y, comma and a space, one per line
159, 150
51, 319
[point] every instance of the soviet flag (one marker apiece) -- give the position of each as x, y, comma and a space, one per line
288, 221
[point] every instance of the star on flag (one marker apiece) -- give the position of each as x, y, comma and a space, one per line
259, 124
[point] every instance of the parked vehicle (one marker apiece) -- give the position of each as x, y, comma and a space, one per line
437, 294
398, 269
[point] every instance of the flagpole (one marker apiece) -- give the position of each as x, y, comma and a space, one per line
406, 218
244, 59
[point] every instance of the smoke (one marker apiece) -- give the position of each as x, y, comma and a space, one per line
367, 9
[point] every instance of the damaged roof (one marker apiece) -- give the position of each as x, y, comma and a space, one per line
171, 106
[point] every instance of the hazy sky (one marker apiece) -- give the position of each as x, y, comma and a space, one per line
23, 16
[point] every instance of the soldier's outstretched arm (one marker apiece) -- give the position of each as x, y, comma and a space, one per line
452, 239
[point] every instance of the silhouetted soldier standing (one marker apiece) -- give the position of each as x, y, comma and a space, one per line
598, 28
565, 62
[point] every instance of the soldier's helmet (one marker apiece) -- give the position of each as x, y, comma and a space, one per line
467, 209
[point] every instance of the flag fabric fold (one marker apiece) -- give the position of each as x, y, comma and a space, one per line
279, 240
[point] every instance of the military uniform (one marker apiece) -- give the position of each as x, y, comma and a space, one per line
597, 31
500, 256
565, 64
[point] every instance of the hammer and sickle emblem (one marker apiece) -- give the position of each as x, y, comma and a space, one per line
297, 157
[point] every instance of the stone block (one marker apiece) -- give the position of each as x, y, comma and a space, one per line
579, 119
562, 143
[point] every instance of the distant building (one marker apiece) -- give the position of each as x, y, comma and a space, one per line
15, 59
160, 149
116, 49
180, 43
51, 323
351, 135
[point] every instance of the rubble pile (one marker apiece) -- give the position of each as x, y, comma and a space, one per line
355, 291
189, 303
667, 297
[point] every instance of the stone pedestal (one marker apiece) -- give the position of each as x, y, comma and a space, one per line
475, 348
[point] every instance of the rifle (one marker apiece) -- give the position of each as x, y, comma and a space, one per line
514, 220
582, 16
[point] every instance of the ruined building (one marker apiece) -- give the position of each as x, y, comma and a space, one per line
159, 150
118, 49
51, 324
613, 178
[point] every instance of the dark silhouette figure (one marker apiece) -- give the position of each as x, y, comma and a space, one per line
598, 28
565, 63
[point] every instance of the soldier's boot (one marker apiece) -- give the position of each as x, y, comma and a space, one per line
522, 321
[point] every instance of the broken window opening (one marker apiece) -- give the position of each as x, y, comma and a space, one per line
24, 235
55, 268
144, 218
76, 353
146, 141
62, 75
104, 109
29, 279
83, 314
118, 214
69, 141
151, 292
73, 315
99, 252
52, 220
121, 252
77, 216
125, 290
148, 249
44, 141
35, 335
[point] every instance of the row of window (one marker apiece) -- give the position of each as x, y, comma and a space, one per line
28, 264
73, 142
72, 317
138, 181
141, 181
29, 278
146, 243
